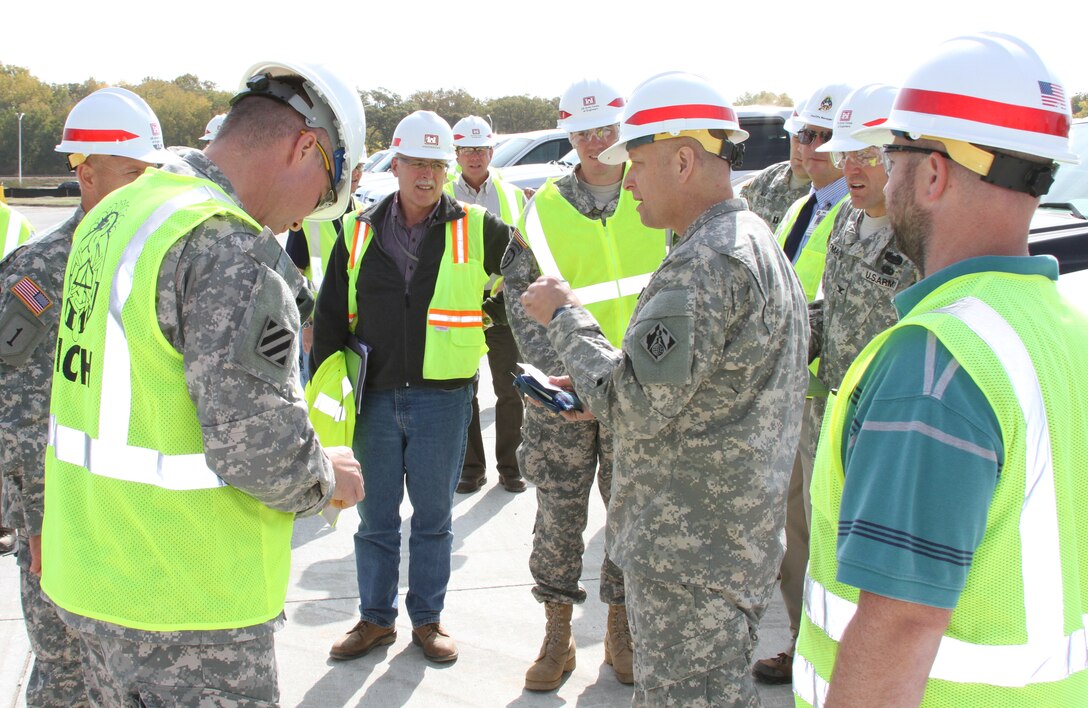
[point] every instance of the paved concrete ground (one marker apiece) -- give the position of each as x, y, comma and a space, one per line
489, 611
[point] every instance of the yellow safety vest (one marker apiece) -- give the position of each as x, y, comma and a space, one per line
810, 263
454, 340
606, 263
15, 230
511, 199
1019, 633
139, 530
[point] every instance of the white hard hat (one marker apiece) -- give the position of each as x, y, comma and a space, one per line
589, 103
114, 121
822, 107
423, 134
212, 128
472, 131
674, 103
985, 89
794, 122
326, 101
865, 107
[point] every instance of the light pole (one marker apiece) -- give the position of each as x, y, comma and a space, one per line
20, 116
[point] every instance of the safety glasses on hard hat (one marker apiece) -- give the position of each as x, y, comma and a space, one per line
868, 157
333, 169
606, 133
714, 140
807, 136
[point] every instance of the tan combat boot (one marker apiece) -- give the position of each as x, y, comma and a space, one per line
556, 653
618, 649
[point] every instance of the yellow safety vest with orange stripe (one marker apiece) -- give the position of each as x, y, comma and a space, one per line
454, 340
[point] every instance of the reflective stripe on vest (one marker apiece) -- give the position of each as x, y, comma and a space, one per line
330, 406
110, 455
1049, 654
454, 340
606, 252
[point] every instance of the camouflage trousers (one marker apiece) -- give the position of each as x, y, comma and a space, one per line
693, 646
562, 459
56, 678
126, 673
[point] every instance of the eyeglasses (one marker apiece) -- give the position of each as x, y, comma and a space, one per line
334, 169
868, 157
888, 149
473, 150
806, 136
423, 165
606, 133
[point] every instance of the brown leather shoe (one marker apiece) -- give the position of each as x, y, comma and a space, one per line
436, 642
775, 670
363, 637
468, 485
514, 485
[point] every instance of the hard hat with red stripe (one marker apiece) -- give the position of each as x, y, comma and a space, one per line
677, 104
212, 128
473, 131
588, 104
423, 134
794, 122
984, 96
113, 121
865, 107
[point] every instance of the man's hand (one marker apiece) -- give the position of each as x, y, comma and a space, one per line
545, 296
36, 555
349, 478
565, 383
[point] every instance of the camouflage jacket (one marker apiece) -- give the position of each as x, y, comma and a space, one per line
861, 280
769, 194
856, 301
520, 270
705, 403
31, 283
218, 286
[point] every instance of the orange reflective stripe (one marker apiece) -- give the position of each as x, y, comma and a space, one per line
455, 318
459, 237
355, 241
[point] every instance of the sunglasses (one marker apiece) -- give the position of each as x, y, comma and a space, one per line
608, 132
806, 136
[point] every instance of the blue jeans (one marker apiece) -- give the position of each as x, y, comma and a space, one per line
414, 438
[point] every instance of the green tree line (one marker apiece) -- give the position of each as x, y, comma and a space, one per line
185, 104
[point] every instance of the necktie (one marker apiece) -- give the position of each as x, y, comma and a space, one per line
793, 240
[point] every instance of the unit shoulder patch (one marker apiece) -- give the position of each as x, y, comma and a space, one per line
658, 342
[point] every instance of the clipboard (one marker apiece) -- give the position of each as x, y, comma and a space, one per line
362, 350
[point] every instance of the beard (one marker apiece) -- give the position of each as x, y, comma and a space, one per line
912, 226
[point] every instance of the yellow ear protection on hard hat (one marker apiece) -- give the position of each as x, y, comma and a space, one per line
75, 159
998, 168
714, 140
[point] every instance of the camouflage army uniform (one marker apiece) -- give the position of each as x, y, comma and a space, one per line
704, 401
257, 437
860, 280
561, 458
770, 193
27, 335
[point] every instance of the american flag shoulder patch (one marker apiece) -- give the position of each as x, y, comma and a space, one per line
32, 296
